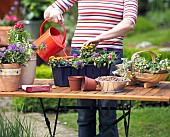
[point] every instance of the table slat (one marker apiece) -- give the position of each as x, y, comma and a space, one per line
160, 93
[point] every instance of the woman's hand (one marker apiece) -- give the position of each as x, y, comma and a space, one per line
94, 41
53, 15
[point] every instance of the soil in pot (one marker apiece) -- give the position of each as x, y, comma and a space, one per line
112, 83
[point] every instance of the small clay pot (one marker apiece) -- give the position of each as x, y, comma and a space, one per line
75, 82
88, 84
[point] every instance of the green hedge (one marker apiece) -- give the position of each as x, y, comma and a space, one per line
142, 25
33, 104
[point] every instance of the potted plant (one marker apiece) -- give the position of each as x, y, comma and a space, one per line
33, 12
141, 70
5, 25
92, 63
18, 53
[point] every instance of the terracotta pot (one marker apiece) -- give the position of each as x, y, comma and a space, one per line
28, 72
75, 82
88, 84
10, 75
4, 34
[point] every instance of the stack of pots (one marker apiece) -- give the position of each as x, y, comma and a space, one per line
82, 83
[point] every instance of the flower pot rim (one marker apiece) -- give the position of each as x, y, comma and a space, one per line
75, 77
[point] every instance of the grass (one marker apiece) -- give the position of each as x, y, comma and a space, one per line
156, 37
146, 122
14, 126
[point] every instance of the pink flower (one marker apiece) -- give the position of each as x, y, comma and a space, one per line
19, 25
110, 56
12, 18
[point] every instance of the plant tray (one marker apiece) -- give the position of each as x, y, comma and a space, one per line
61, 74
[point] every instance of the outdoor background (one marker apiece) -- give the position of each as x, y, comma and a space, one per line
152, 32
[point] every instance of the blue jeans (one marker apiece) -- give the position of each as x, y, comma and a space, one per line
87, 117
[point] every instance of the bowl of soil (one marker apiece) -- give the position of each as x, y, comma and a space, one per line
112, 83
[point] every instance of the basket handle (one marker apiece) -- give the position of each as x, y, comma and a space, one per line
133, 60
62, 24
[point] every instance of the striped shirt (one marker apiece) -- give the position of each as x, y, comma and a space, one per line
98, 16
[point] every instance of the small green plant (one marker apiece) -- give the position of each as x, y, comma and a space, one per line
123, 68
59, 61
14, 126
88, 55
142, 65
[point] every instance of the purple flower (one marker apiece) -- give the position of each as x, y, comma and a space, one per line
79, 64
3, 49
2, 54
16, 2
75, 55
110, 56
33, 47
97, 55
22, 49
13, 47
12, 8
43, 45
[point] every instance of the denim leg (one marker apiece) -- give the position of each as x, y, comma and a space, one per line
86, 118
107, 117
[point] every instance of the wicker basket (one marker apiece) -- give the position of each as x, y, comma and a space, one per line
146, 77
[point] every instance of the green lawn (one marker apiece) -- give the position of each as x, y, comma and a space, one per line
147, 122
156, 37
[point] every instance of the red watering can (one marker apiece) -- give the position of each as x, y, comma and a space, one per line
54, 41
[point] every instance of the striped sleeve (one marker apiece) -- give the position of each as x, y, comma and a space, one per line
63, 5
130, 10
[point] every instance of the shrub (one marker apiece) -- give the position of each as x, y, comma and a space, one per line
142, 25
33, 104
160, 18
43, 71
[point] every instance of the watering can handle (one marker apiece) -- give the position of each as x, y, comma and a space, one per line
62, 24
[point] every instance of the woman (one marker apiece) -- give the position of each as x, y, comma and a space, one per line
103, 23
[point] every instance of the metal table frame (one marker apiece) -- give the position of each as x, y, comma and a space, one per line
124, 106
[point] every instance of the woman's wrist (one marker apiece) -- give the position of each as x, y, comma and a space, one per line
99, 38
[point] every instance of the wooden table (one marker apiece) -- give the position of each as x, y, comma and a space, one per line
160, 93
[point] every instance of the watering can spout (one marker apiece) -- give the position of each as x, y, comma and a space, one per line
54, 40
